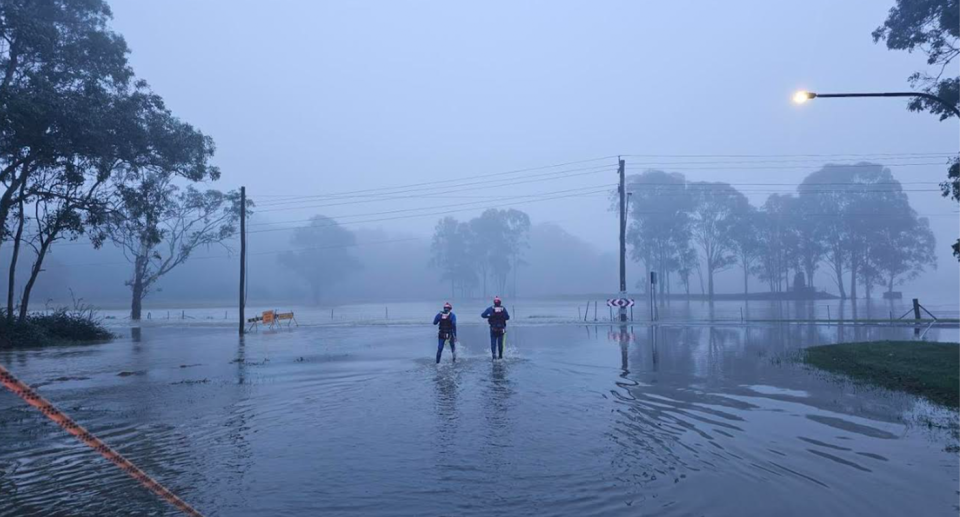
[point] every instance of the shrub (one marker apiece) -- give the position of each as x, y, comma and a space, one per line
61, 326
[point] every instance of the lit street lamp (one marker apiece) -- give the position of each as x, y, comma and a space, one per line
803, 96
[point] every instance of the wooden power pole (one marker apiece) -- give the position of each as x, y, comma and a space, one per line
243, 254
623, 241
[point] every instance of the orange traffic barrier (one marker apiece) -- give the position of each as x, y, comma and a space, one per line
31, 397
271, 319
285, 316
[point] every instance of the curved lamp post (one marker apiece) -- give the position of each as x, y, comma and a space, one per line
802, 96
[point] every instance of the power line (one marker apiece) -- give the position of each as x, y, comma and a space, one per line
487, 175
776, 155
688, 186
807, 161
407, 210
565, 173
786, 167
291, 197
274, 252
605, 189
433, 191
526, 196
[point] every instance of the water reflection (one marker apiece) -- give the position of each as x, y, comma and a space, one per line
699, 416
446, 392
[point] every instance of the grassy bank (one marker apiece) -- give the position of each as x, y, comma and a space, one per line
60, 327
931, 370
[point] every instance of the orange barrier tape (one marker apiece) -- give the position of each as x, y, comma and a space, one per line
31, 397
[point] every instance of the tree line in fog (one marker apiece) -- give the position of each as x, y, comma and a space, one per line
849, 224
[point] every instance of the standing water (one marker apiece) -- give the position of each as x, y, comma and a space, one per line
576, 420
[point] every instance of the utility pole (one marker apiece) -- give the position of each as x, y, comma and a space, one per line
243, 254
623, 240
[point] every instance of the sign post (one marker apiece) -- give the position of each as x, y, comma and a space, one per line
652, 287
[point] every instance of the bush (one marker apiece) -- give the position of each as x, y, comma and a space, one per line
62, 326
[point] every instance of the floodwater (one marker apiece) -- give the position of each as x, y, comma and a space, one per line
577, 420
563, 311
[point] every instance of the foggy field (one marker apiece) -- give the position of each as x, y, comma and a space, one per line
576, 420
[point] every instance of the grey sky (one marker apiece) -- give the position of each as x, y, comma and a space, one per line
309, 97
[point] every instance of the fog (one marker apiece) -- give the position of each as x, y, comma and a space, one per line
387, 117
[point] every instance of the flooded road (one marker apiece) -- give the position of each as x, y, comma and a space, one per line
674, 420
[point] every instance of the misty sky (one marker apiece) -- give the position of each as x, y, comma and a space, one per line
310, 98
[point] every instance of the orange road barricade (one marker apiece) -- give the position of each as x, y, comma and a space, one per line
288, 317
272, 319
34, 399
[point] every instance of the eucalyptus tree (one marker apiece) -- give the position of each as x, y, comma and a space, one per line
716, 210
659, 232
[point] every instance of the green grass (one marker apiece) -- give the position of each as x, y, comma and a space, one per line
931, 370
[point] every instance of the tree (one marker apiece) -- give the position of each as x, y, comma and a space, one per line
824, 199
933, 26
14, 256
499, 238
688, 262
66, 205
716, 208
72, 119
60, 68
775, 242
161, 225
324, 256
452, 248
746, 243
810, 243
857, 210
659, 231
904, 250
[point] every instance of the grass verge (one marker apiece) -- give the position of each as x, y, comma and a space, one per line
931, 370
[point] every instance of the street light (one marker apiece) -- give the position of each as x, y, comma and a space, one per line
803, 96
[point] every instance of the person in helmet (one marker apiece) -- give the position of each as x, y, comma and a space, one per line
447, 322
497, 317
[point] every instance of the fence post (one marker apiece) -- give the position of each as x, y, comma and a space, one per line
916, 316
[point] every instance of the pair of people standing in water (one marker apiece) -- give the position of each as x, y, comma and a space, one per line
496, 315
